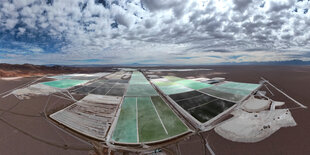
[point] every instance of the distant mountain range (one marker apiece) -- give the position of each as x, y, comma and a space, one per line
12, 70
7, 70
114, 65
290, 62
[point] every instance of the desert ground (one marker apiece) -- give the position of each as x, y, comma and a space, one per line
25, 130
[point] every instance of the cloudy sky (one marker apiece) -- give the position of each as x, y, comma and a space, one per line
153, 31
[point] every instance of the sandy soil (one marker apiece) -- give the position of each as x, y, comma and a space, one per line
24, 129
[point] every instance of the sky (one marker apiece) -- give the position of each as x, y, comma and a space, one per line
153, 31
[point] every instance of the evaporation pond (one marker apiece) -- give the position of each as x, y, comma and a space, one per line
65, 83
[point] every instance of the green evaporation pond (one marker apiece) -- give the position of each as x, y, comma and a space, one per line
144, 119
239, 85
126, 127
163, 83
173, 78
65, 83
193, 84
172, 123
150, 127
242, 92
132, 82
174, 89
185, 82
138, 78
141, 90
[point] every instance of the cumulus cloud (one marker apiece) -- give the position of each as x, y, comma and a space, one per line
151, 31
241, 5
21, 30
278, 5
162, 4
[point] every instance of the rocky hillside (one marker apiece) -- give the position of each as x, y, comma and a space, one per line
13, 70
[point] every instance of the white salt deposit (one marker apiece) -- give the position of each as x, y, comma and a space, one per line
102, 99
11, 78
254, 105
254, 127
36, 89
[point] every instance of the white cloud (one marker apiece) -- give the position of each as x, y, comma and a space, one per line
278, 5
207, 30
21, 30
10, 23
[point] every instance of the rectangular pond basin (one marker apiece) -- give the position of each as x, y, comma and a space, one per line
146, 120
140, 90
201, 106
239, 85
232, 91
126, 128
234, 95
174, 89
64, 83
192, 84
84, 90
90, 116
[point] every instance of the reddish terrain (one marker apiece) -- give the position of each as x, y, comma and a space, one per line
27, 70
